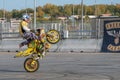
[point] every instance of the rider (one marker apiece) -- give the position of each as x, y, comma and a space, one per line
27, 34
30, 36
25, 31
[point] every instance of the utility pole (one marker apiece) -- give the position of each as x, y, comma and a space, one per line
26, 6
82, 16
95, 9
73, 18
4, 9
111, 1
35, 15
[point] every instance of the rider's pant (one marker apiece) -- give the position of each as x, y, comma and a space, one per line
29, 37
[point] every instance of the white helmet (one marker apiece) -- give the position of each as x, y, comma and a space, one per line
26, 17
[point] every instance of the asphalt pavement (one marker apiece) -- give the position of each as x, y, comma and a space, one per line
63, 66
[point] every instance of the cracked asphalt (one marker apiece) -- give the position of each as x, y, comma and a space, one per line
63, 66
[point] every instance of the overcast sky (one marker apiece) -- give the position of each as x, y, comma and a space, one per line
22, 4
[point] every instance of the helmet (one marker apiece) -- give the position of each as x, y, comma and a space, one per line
26, 17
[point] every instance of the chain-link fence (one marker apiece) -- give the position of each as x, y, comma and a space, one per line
91, 29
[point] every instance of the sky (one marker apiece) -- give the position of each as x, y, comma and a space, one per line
22, 4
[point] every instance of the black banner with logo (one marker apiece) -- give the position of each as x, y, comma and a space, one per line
111, 38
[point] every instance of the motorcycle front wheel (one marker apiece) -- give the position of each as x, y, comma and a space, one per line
53, 36
31, 65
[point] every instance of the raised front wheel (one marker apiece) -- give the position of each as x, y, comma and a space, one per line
53, 36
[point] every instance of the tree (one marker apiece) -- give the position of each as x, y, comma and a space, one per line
68, 9
29, 10
118, 9
8, 15
1, 13
61, 11
86, 18
40, 12
15, 13
89, 10
100, 9
51, 9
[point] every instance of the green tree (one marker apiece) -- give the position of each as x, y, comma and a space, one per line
111, 9
68, 9
61, 11
15, 13
89, 10
117, 9
51, 9
1, 13
29, 10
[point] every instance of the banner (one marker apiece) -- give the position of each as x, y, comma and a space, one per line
111, 37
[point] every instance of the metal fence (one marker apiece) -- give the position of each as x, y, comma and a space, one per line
92, 29
89, 30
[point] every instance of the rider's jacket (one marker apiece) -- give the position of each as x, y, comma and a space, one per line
23, 28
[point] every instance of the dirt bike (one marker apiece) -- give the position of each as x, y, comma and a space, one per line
35, 47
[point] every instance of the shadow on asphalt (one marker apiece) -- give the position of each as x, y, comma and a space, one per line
11, 71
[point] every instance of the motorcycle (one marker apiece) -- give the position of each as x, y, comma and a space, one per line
35, 48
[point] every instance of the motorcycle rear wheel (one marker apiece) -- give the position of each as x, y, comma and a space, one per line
31, 65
